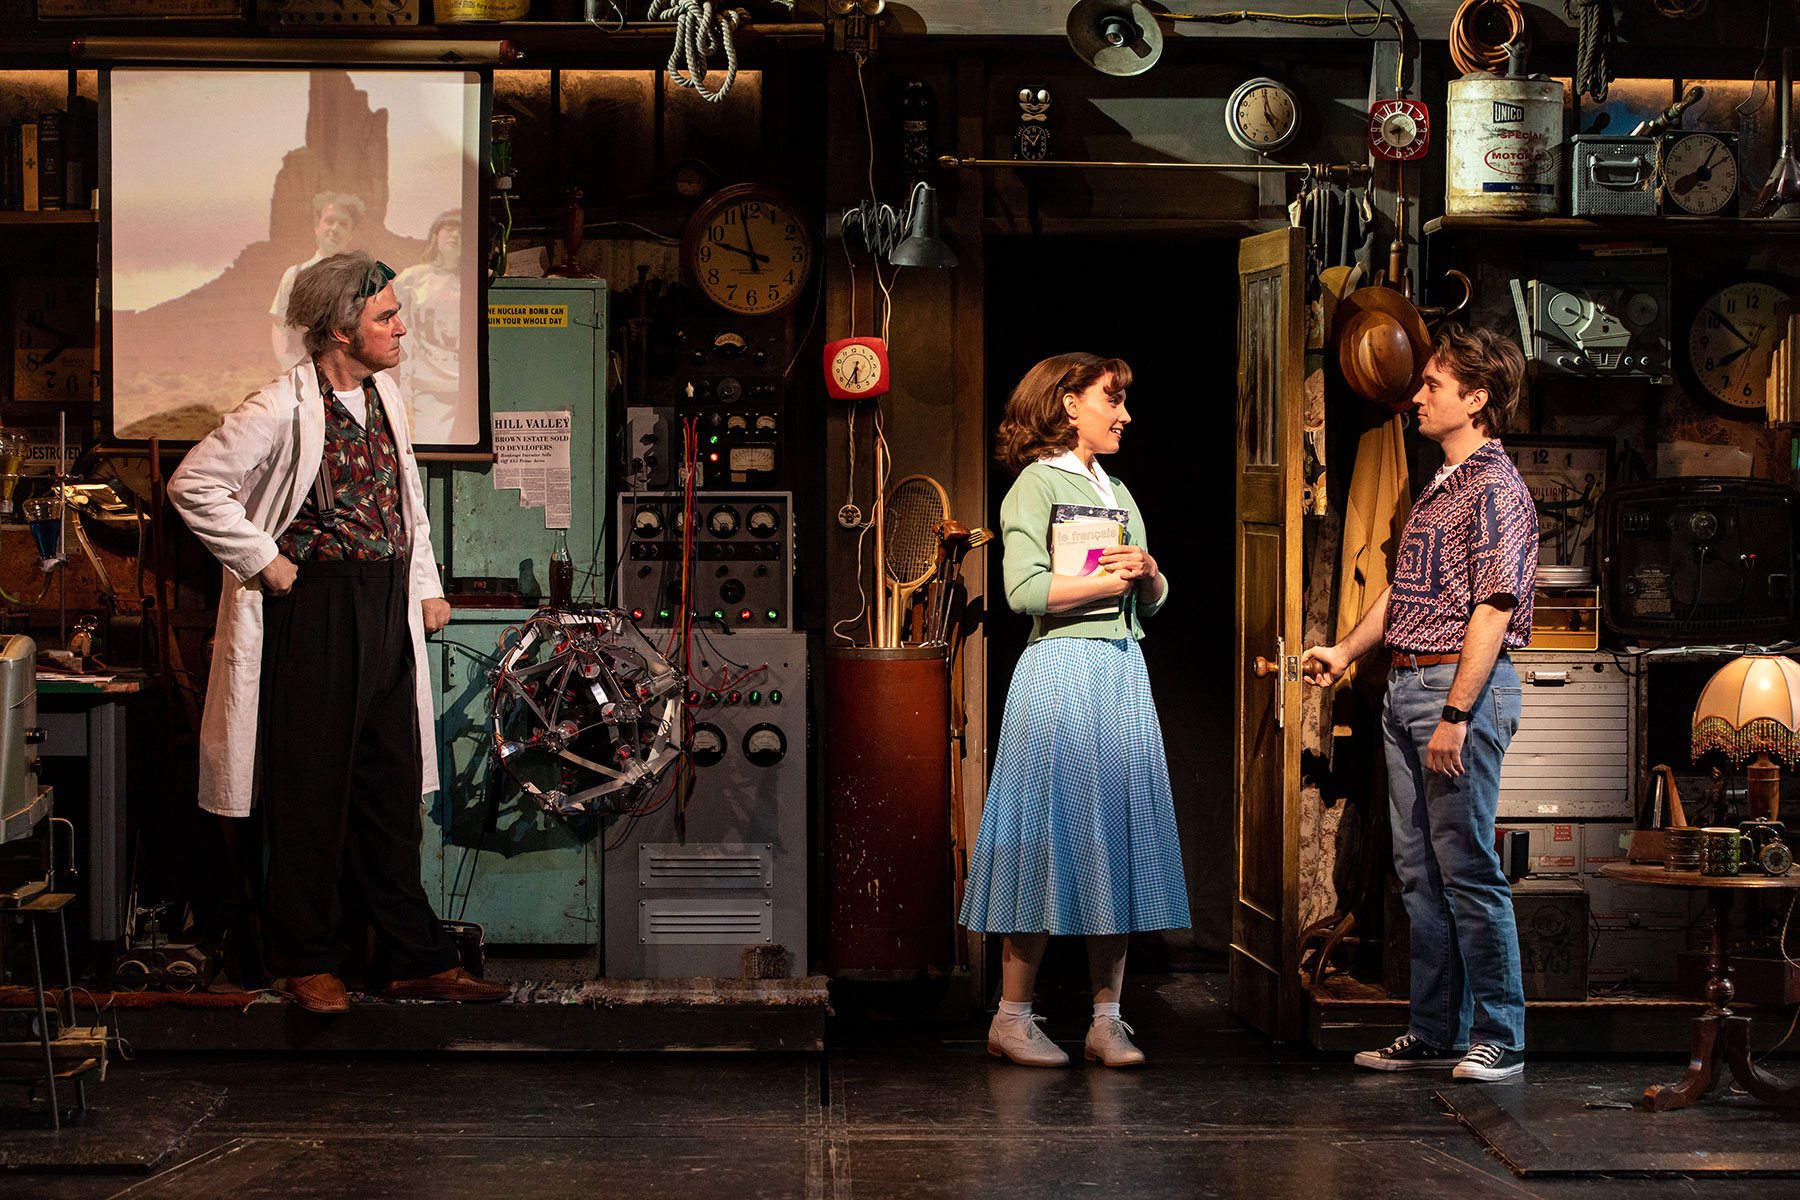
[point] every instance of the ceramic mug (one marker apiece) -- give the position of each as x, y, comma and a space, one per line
1723, 850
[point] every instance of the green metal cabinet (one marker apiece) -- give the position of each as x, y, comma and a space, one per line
528, 877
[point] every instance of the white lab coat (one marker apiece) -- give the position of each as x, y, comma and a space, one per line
238, 489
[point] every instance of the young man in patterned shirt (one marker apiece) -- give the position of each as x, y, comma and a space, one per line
1460, 599
318, 705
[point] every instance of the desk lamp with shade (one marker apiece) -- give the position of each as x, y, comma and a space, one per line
1752, 707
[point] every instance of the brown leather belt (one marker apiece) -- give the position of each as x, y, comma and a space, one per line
1403, 659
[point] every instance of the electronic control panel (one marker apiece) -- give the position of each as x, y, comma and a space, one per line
717, 886
738, 446
741, 575
728, 376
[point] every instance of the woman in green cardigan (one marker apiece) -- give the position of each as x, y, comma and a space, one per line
1078, 831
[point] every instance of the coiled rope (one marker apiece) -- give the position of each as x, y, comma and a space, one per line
700, 29
1591, 73
1472, 52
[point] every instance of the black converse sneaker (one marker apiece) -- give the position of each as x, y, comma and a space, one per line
1488, 1062
1407, 1053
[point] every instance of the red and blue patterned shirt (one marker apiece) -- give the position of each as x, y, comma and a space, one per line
1472, 537
367, 524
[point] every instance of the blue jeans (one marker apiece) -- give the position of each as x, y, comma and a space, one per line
1465, 947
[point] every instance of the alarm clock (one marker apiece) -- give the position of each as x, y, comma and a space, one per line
856, 368
1699, 174
1399, 130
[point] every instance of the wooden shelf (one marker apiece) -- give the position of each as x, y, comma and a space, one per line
1616, 229
59, 216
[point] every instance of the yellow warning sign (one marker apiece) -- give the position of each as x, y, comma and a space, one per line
534, 316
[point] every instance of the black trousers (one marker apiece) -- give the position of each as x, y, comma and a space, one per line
340, 771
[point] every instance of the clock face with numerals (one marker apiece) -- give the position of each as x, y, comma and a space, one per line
1731, 342
53, 338
1566, 477
748, 250
1399, 130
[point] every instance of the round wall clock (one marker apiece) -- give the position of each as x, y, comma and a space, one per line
1262, 115
1730, 341
748, 250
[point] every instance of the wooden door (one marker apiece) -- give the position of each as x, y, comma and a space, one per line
1265, 925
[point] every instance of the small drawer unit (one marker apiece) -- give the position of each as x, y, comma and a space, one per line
1571, 758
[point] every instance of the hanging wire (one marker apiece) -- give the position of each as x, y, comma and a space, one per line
1375, 17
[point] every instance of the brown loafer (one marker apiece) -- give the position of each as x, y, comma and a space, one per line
454, 984
321, 993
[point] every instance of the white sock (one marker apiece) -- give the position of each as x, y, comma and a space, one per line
1016, 1011
1106, 1010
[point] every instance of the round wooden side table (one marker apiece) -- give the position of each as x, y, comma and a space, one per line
1718, 1023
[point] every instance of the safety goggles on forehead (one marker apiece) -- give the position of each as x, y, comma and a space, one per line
378, 278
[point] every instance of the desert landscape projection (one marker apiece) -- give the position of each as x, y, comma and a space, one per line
224, 184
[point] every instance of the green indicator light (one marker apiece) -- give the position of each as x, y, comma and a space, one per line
773, 615
718, 614
756, 697
663, 615
713, 440
774, 697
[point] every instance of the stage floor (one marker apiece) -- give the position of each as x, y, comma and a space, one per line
895, 1108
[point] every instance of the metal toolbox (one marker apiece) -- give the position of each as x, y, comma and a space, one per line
1612, 176
1571, 759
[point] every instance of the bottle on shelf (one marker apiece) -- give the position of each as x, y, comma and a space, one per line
562, 571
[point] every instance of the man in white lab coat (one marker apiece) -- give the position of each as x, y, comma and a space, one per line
318, 704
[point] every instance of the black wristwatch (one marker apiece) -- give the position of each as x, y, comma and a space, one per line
1457, 716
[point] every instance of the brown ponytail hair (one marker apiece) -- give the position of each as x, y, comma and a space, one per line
1035, 425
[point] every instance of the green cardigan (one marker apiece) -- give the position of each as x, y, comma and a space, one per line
1025, 526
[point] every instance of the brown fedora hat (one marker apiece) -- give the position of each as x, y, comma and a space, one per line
1382, 345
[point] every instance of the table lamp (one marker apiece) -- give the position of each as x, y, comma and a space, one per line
1752, 706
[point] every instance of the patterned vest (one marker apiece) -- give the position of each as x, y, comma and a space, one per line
354, 511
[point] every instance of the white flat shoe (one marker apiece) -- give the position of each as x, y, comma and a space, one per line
1107, 1043
1024, 1043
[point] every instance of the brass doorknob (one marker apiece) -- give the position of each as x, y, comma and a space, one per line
1263, 667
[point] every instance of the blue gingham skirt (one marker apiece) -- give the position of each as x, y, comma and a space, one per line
1078, 831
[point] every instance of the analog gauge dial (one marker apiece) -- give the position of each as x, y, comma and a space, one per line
1699, 174
763, 522
708, 745
765, 423
723, 521
730, 344
765, 745
1262, 115
1731, 342
647, 521
748, 250
737, 423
